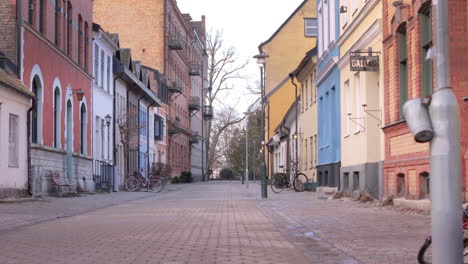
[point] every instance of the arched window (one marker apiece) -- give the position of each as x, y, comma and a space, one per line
36, 111
83, 129
69, 25
86, 46
57, 111
426, 43
402, 67
80, 39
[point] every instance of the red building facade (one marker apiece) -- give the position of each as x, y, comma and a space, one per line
56, 64
408, 38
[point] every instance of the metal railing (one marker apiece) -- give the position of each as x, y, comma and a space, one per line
103, 174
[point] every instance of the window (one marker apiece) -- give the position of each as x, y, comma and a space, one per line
57, 111
312, 92
31, 11
108, 73
80, 39
103, 139
425, 185
357, 88
348, 107
13, 141
345, 180
86, 46
311, 152
158, 127
306, 154
401, 187
102, 69
355, 180
402, 67
311, 27
57, 22
302, 98
426, 43
96, 63
306, 88
69, 25
344, 15
35, 113
315, 150
320, 24
83, 128
326, 24
42, 15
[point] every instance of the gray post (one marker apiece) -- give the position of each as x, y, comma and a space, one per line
262, 165
447, 235
247, 153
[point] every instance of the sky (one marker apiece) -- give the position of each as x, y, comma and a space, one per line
245, 24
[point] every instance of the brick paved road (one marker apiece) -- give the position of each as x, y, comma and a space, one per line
209, 223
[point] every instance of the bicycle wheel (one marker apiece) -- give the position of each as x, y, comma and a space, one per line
132, 184
278, 183
299, 182
155, 185
425, 252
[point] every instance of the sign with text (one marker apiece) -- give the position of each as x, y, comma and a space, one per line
359, 62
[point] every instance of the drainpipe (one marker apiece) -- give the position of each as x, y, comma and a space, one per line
447, 235
28, 133
138, 118
18, 39
296, 162
114, 149
147, 134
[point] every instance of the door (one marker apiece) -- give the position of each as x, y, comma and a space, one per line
69, 134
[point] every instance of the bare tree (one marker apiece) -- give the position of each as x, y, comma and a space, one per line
225, 119
128, 126
224, 66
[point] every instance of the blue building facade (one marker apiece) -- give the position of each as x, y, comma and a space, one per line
328, 95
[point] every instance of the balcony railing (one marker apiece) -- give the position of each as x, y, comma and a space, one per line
194, 104
176, 41
194, 69
208, 112
175, 86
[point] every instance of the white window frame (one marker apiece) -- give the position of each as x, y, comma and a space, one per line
348, 106
13, 144
308, 25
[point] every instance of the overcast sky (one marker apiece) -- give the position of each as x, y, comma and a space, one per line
245, 23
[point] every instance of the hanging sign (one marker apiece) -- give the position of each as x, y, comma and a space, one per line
360, 62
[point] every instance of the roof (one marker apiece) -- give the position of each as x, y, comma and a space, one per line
309, 55
282, 26
14, 83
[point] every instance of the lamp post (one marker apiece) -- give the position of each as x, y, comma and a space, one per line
261, 63
108, 119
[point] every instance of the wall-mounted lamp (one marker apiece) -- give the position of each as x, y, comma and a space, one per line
79, 94
108, 119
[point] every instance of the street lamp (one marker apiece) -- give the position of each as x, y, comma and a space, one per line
108, 119
261, 58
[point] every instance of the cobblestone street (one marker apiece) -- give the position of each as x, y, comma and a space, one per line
214, 222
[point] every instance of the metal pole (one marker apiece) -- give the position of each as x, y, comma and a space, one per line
247, 153
254, 162
447, 234
262, 166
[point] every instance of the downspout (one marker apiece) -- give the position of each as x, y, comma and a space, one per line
28, 133
147, 134
18, 39
296, 163
138, 118
127, 120
114, 149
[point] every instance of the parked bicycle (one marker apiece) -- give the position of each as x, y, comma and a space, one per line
281, 180
136, 181
425, 252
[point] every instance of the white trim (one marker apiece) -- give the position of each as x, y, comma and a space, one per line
58, 85
372, 32
85, 138
69, 97
36, 71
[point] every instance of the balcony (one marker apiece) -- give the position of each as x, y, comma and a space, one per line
194, 104
175, 87
194, 69
208, 112
193, 139
176, 41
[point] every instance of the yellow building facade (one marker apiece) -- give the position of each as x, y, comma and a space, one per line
362, 139
286, 48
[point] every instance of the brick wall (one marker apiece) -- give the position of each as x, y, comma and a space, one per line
8, 29
403, 155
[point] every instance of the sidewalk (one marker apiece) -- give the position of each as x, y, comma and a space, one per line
363, 233
24, 213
